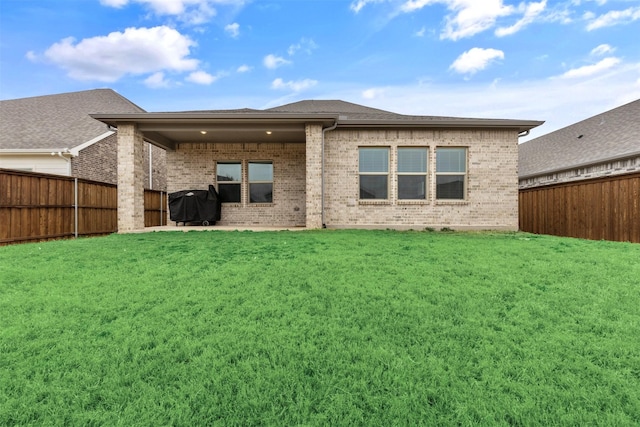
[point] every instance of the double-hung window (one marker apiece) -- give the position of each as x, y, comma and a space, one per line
229, 177
451, 173
260, 182
412, 173
374, 173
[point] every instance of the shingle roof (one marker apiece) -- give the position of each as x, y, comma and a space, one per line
58, 121
611, 135
350, 111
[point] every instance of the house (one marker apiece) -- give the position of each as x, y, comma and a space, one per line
55, 134
584, 180
330, 164
603, 145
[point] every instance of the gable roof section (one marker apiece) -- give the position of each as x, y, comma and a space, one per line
612, 135
56, 122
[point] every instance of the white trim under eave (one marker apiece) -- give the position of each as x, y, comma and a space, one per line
75, 151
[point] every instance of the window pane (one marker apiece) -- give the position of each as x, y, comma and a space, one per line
229, 172
373, 186
451, 160
229, 193
412, 159
374, 160
261, 171
260, 193
450, 187
412, 187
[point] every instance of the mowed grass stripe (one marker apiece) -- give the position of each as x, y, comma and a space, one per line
320, 328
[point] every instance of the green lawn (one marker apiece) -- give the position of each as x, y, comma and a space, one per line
320, 328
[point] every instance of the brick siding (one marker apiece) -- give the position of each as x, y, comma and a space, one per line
193, 167
492, 183
99, 162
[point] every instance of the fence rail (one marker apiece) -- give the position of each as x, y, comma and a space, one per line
35, 206
597, 209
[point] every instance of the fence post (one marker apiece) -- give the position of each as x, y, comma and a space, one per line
75, 205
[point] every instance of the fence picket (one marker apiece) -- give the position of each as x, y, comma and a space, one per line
36, 207
599, 208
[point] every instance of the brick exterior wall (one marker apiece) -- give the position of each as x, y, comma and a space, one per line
99, 162
492, 182
130, 179
192, 166
618, 167
314, 176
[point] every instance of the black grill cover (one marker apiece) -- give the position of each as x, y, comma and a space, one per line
195, 206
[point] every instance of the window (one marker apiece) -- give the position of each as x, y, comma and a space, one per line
412, 173
260, 182
374, 173
229, 177
451, 173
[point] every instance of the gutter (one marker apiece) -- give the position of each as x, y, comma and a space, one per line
324, 130
61, 154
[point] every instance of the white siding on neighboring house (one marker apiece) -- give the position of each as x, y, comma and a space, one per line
44, 163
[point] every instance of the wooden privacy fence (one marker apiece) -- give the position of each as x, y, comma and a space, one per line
597, 209
36, 206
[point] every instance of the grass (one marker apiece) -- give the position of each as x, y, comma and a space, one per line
320, 328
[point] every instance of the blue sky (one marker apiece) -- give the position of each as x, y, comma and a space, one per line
559, 61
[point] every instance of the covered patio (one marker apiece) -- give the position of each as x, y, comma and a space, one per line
196, 142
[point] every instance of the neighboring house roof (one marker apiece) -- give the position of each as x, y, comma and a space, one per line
58, 122
609, 136
288, 121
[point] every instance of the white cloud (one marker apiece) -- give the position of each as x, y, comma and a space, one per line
114, 3
531, 12
304, 45
244, 69
233, 29
475, 59
134, 51
192, 11
32, 56
614, 17
156, 80
603, 49
296, 86
357, 5
372, 93
272, 61
421, 32
469, 17
201, 78
590, 70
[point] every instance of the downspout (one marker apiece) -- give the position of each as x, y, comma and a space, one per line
61, 154
332, 127
150, 167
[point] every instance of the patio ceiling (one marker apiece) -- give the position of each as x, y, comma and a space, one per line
168, 129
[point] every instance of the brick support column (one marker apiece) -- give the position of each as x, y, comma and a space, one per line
130, 178
314, 175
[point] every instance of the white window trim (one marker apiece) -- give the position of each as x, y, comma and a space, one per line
249, 182
387, 174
